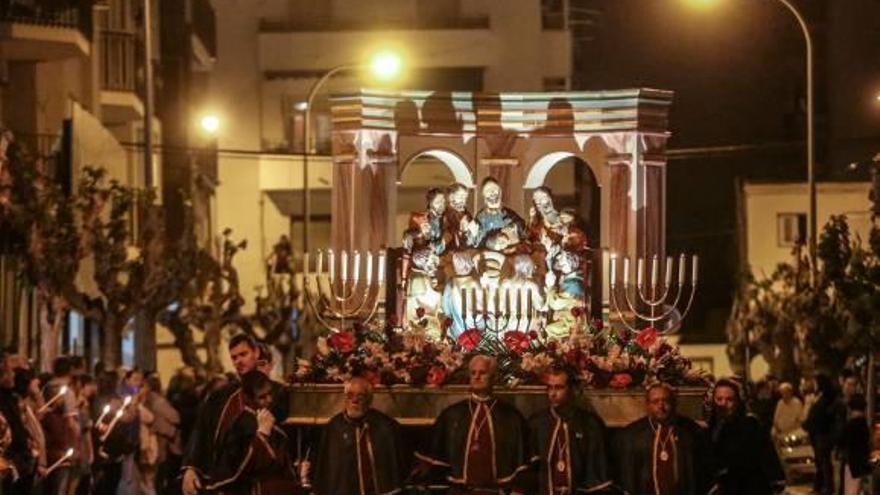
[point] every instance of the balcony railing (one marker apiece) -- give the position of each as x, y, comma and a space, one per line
306, 25
121, 59
204, 24
75, 14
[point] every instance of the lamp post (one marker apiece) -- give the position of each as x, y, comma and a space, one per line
384, 65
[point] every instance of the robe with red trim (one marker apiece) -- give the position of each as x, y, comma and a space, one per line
459, 446
249, 463
642, 471
568, 443
215, 413
364, 456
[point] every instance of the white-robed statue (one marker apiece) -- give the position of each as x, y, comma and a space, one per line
494, 217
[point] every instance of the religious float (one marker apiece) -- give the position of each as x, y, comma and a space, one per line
588, 289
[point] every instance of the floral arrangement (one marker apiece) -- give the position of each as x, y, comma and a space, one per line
596, 356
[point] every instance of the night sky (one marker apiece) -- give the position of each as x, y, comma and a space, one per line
737, 69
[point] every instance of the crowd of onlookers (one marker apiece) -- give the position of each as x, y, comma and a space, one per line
832, 415
78, 431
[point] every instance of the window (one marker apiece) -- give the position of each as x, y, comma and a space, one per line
791, 229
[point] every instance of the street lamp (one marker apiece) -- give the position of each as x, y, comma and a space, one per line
384, 65
811, 145
210, 124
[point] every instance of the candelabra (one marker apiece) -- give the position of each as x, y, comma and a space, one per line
348, 297
656, 302
499, 309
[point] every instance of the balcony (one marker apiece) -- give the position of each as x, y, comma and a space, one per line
121, 67
330, 24
45, 30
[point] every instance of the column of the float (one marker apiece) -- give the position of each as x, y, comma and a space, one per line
342, 221
622, 206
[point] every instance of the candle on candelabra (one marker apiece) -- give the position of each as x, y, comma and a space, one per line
695, 270
682, 264
67, 455
54, 399
625, 272
640, 272
668, 279
306, 264
655, 265
381, 274
464, 304
613, 269
369, 268
357, 267
331, 265
319, 263
343, 265
528, 303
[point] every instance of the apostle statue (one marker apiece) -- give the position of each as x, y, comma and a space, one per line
426, 228
568, 441
361, 450
456, 218
422, 295
478, 444
494, 217
663, 453
252, 452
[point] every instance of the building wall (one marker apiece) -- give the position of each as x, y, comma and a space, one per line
765, 202
261, 73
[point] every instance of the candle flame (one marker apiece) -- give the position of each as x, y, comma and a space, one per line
119, 414
69, 453
63, 390
127, 401
106, 408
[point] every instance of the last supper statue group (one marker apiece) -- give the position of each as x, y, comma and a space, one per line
494, 271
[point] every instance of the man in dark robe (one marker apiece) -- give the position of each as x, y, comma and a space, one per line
216, 414
280, 392
479, 444
663, 453
744, 455
361, 452
568, 443
252, 456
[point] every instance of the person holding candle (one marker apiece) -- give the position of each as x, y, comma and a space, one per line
61, 424
18, 454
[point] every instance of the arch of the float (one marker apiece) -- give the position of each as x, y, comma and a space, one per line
517, 138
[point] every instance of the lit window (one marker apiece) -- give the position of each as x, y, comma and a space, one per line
791, 229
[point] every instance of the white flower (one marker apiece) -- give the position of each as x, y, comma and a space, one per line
323, 348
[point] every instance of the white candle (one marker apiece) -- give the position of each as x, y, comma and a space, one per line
613, 269
104, 412
625, 272
357, 267
381, 274
319, 263
67, 455
112, 424
343, 265
695, 270
682, 262
369, 268
331, 262
54, 399
668, 279
640, 272
305, 264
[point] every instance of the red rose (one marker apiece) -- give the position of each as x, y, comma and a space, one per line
470, 339
447, 322
533, 334
392, 321
598, 324
577, 311
436, 375
620, 380
516, 341
420, 312
342, 342
551, 346
646, 337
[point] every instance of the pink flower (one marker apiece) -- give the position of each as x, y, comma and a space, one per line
620, 380
470, 339
577, 311
516, 341
342, 341
646, 337
447, 322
